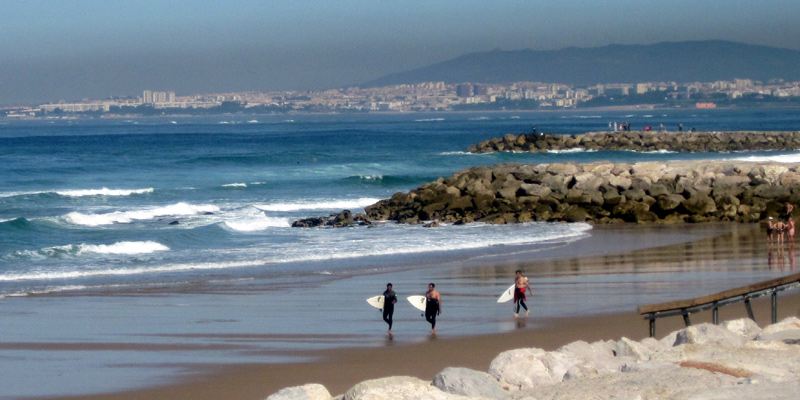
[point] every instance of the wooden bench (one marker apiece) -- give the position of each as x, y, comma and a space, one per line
714, 301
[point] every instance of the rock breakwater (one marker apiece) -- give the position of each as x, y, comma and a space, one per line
673, 192
644, 141
733, 360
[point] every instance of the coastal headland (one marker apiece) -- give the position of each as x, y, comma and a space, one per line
648, 192
643, 141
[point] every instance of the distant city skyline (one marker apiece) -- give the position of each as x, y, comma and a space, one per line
96, 49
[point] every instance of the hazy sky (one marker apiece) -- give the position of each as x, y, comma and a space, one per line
51, 50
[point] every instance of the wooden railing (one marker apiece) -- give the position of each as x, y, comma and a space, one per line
714, 301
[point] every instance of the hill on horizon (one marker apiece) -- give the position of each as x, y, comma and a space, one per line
689, 61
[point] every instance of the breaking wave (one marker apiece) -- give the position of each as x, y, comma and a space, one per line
125, 217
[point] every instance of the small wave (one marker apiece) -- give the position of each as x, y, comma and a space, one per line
257, 183
74, 250
255, 224
460, 153
514, 117
574, 150
236, 185
661, 151
104, 191
479, 119
429, 120
288, 120
628, 116
47, 290
252, 121
318, 205
124, 217
647, 116
784, 158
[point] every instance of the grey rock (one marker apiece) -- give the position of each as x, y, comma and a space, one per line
468, 382
311, 391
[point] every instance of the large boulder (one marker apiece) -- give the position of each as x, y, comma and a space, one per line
744, 327
787, 330
708, 334
530, 367
311, 391
468, 382
397, 388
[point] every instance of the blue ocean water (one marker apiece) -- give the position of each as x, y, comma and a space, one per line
88, 204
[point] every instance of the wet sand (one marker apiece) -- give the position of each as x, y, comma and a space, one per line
718, 261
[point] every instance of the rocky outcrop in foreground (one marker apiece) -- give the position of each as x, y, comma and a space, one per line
681, 191
643, 141
736, 360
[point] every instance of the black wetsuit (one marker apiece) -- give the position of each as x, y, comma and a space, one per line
389, 298
431, 310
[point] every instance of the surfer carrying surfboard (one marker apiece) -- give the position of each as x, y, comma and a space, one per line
433, 305
520, 289
389, 299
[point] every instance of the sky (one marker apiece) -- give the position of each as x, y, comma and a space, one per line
74, 49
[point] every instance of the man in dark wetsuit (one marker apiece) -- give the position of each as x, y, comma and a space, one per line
433, 305
389, 300
521, 287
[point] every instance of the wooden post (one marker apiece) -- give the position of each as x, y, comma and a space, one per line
715, 314
774, 306
652, 318
686, 317
749, 308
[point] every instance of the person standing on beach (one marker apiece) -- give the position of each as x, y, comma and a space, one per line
521, 287
389, 300
788, 221
433, 305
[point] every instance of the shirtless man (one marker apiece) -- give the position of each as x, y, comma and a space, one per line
433, 306
520, 289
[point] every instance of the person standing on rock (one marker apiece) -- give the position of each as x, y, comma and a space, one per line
433, 306
389, 300
521, 287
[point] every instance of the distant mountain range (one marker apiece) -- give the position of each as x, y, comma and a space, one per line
691, 61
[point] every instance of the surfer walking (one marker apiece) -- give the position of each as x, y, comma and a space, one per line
389, 300
521, 288
433, 305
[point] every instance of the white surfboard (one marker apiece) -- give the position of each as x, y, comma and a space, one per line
507, 295
376, 301
417, 301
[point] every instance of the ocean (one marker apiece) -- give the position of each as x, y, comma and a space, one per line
93, 205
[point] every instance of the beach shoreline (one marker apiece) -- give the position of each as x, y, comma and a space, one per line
340, 368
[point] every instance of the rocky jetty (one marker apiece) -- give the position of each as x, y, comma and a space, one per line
734, 360
341, 220
653, 192
643, 141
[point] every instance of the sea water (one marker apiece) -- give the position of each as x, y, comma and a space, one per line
87, 204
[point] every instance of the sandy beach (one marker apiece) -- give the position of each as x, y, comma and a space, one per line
716, 257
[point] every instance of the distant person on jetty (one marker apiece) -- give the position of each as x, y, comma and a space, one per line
521, 287
433, 305
389, 300
788, 220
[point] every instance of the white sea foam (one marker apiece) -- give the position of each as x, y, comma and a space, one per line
429, 120
573, 150
333, 204
104, 191
661, 151
257, 183
479, 119
124, 248
252, 121
783, 158
323, 245
124, 217
256, 223
236, 185
47, 290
